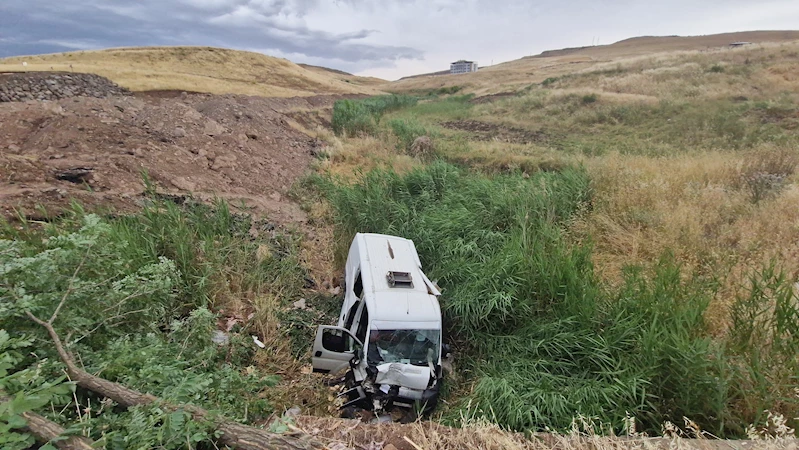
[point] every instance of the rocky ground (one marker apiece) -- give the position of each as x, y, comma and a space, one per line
246, 150
15, 87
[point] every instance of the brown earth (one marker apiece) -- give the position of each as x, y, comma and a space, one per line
492, 98
484, 131
245, 150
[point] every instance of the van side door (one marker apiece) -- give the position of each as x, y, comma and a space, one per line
333, 349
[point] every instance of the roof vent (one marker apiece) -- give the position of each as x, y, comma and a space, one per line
399, 279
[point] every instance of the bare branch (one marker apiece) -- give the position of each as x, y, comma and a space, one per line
232, 434
59, 346
46, 431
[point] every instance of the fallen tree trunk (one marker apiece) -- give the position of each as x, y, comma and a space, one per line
233, 434
46, 430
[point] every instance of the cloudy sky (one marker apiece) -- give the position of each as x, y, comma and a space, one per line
385, 38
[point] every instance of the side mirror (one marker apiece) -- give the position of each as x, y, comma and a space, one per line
446, 351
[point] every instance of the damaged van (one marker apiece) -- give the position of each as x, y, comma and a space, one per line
388, 338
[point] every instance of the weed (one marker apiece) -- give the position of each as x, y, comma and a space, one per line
765, 173
550, 81
589, 98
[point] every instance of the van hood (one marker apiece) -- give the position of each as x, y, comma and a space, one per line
405, 375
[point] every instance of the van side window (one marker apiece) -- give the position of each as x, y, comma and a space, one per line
351, 315
336, 341
358, 288
362, 325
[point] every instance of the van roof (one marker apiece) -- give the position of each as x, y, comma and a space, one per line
381, 255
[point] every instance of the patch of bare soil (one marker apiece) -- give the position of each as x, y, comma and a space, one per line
491, 98
484, 131
238, 148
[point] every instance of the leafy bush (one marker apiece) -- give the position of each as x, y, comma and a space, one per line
31, 392
135, 295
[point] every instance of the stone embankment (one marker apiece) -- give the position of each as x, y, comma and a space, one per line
20, 87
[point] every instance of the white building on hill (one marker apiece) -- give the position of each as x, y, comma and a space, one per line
463, 66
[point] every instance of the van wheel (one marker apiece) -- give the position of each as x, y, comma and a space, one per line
411, 415
348, 413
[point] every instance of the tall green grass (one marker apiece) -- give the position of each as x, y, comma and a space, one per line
542, 339
406, 131
353, 117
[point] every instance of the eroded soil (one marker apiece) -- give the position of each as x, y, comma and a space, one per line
238, 148
484, 131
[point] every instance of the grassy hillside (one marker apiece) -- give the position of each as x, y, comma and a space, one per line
514, 75
199, 69
609, 240
345, 76
618, 248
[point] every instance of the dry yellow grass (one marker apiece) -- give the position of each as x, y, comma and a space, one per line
338, 433
344, 76
348, 158
514, 75
198, 69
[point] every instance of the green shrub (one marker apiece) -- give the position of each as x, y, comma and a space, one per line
406, 131
447, 90
550, 81
352, 117
137, 292
589, 98
716, 69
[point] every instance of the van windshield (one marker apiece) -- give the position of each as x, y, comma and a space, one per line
418, 347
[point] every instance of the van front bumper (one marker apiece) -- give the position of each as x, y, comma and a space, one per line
425, 400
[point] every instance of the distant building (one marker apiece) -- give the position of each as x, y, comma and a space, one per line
463, 66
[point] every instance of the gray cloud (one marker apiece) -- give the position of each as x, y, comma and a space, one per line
387, 38
276, 26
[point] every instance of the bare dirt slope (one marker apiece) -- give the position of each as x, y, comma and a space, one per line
514, 75
242, 149
200, 69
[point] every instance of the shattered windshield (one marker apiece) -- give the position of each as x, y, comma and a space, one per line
418, 347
